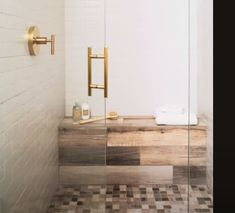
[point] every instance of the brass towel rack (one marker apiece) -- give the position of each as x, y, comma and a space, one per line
90, 84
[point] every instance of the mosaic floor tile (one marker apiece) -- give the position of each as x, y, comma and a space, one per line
132, 199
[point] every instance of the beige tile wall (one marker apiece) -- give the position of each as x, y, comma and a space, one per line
31, 105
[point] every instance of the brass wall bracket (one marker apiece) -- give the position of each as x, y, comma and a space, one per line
90, 84
35, 40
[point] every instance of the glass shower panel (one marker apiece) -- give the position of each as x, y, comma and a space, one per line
201, 135
148, 63
148, 144
85, 40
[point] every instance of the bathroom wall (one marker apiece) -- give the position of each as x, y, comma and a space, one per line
31, 105
148, 53
205, 75
84, 27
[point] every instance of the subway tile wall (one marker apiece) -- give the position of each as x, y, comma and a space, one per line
31, 105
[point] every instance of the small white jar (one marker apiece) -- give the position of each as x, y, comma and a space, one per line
85, 111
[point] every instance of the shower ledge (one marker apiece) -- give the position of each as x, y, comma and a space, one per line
129, 123
93, 153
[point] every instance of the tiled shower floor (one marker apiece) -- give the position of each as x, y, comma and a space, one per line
131, 199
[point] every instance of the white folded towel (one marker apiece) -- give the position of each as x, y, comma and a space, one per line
170, 108
176, 119
174, 115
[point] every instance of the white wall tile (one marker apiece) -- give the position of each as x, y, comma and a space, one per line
148, 53
31, 105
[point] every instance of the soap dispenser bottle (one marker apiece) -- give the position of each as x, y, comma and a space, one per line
76, 112
85, 111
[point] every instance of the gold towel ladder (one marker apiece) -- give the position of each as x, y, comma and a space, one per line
90, 84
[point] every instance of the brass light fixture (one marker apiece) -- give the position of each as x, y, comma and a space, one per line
34, 40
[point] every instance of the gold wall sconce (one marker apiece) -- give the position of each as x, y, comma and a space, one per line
35, 40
